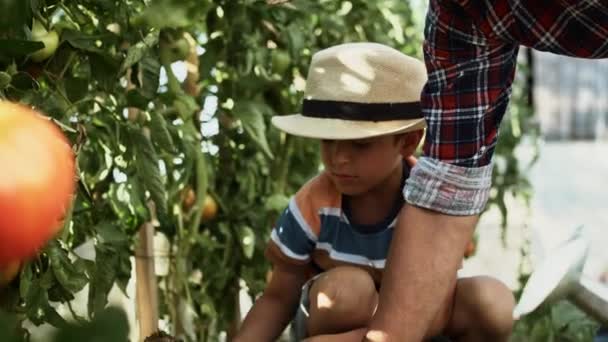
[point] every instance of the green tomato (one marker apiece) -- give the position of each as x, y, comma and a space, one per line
49, 39
280, 61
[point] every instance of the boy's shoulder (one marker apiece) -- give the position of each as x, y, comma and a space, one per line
318, 195
319, 190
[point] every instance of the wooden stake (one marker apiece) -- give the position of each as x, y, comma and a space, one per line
146, 285
145, 276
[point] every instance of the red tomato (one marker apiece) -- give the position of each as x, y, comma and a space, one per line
37, 180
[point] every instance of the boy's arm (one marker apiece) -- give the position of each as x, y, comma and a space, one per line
275, 308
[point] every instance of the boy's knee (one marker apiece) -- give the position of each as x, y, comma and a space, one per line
341, 297
491, 302
342, 288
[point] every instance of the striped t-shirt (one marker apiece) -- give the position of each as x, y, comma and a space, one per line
314, 232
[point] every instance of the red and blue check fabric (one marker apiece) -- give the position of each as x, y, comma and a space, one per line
470, 51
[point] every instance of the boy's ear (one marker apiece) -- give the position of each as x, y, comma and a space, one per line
410, 142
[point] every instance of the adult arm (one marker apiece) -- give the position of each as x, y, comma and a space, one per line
419, 272
466, 95
470, 51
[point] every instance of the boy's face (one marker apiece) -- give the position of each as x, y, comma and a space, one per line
357, 166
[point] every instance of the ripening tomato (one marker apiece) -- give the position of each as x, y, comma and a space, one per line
209, 209
37, 180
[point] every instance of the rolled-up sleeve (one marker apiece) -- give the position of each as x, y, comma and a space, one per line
470, 51
466, 95
449, 189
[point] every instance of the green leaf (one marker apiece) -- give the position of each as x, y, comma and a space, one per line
110, 233
109, 325
160, 133
103, 163
137, 193
123, 269
58, 293
136, 52
14, 15
150, 68
23, 81
136, 98
118, 200
71, 278
18, 48
55, 105
35, 299
296, 39
88, 42
146, 162
76, 88
48, 279
5, 79
53, 318
104, 69
38, 310
25, 280
251, 115
103, 278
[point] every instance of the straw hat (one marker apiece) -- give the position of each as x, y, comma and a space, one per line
359, 90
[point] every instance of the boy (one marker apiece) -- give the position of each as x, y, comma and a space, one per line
329, 247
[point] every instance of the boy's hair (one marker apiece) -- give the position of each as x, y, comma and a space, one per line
161, 336
399, 135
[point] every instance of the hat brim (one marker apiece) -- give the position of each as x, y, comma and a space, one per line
338, 129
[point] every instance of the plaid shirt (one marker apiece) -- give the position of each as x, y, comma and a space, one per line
470, 51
